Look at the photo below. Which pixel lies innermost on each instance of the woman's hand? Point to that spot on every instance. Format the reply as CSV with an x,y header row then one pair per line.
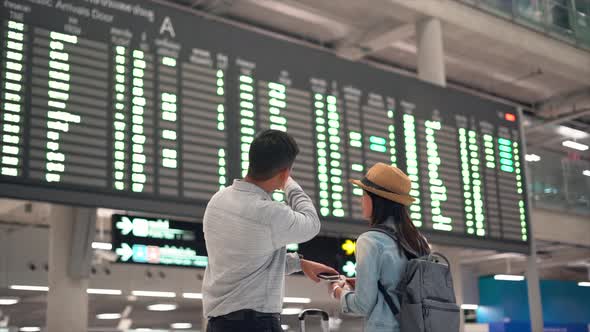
x,y
336,288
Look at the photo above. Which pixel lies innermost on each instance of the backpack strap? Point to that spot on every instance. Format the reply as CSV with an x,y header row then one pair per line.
x,y
388,299
408,252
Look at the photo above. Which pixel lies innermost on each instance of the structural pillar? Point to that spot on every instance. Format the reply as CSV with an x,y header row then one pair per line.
x,y
534,293
67,300
431,56
532,268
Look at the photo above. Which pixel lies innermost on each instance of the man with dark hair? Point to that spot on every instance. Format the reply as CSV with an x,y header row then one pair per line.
x,y
246,233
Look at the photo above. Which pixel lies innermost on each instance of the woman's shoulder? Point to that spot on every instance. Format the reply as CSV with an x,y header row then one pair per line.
x,y
377,237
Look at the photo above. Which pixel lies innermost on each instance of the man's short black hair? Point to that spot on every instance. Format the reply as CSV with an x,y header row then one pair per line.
x,y
271,152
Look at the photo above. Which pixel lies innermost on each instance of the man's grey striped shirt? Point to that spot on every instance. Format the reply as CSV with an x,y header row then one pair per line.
x,y
246,233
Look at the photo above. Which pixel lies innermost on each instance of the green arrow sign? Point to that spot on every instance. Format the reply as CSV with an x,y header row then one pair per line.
x,y
125,252
125,225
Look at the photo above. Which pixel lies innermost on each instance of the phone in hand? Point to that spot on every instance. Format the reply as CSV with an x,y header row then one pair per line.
x,y
329,277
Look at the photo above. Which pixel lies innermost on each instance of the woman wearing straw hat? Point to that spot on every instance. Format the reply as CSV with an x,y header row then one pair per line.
x,y
378,258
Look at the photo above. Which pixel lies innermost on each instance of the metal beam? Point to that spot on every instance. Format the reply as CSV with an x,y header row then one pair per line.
x,y
558,120
374,41
336,25
485,258
500,75
9,205
518,267
564,102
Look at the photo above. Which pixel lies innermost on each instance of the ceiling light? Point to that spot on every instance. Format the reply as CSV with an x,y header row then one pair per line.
x,y
102,245
104,291
297,300
584,284
152,294
162,307
575,145
196,296
571,132
532,158
8,300
586,172
181,325
291,311
508,277
285,327
30,329
108,316
30,288
469,306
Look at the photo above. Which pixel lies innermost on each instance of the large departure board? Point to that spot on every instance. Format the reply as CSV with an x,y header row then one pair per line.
x,y
142,106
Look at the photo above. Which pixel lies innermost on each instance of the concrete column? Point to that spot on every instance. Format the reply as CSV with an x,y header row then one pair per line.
x,y
532,269
431,56
534,293
4,250
204,322
67,301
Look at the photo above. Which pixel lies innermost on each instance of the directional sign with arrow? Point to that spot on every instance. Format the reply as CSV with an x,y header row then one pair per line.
x,y
349,269
349,247
125,252
158,241
125,225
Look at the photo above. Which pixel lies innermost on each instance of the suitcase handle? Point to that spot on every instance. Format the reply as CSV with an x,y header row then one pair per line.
x,y
314,312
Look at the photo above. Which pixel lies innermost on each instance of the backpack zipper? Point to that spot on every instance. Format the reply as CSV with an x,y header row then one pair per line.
x,y
426,309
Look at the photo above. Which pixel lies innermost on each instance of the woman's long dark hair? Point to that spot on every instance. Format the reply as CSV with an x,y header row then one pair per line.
x,y
408,234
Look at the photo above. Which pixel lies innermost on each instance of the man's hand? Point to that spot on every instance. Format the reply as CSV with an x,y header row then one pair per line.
x,y
312,269
284,186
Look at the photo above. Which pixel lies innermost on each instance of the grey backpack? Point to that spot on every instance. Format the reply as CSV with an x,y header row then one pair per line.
x,y
425,292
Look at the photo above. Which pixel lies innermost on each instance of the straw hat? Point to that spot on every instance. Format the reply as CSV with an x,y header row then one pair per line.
x,y
388,182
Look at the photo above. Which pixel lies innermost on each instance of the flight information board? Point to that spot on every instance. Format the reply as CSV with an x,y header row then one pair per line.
x,y
140,106
158,241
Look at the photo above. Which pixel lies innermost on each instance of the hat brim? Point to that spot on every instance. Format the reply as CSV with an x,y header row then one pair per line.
x,y
402,199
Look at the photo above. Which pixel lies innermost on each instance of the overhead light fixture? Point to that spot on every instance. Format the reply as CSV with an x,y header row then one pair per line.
x,y
575,145
30,288
102,245
586,172
100,291
108,316
584,284
571,132
196,296
469,306
291,311
181,326
162,307
30,329
9,300
152,294
296,300
532,158
508,277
